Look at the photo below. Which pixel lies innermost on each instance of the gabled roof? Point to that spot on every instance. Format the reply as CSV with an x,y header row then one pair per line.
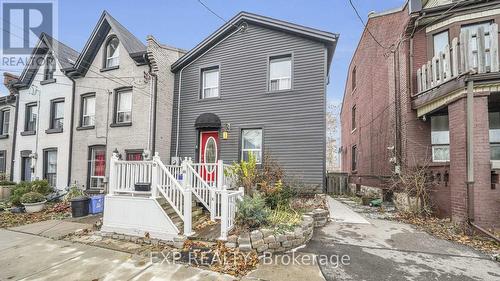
x,y
63,53
135,48
328,38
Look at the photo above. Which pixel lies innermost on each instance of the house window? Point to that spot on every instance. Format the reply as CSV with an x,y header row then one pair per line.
x,y
280,73
440,42
50,166
354,158
494,118
4,122
251,142
57,114
3,161
31,116
123,107
473,30
353,78
134,155
50,68
353,121
210,83
112,53
88,111
440,138
97,166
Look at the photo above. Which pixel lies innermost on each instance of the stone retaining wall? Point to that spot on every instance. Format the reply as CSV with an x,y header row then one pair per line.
x,y
320,217
265,240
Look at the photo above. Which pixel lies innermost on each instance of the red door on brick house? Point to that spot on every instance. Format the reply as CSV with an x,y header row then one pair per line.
x,y
209,143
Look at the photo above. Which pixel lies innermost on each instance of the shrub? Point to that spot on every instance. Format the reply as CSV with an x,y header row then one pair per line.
x,y
32,197
73,192
279,196
252,211
284,219
270,174
39,186
245,173
6,183
19,190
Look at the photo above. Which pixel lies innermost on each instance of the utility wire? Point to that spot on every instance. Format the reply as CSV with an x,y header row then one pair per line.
x,y
211,11
366,27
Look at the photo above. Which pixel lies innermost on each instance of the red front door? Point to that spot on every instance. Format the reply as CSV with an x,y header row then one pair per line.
x,y
209,146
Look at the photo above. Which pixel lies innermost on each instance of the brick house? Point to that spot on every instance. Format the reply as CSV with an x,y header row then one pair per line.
x,y
427,94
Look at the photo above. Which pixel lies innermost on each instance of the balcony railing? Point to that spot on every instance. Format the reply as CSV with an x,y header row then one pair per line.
x,y
469,53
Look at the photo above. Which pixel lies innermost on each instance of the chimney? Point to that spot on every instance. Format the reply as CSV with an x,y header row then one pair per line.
x,y
9,80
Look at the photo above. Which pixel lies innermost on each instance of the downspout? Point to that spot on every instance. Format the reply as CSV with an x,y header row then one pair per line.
x,y
13,156
470,147
70,156
241,27
155,104
152,108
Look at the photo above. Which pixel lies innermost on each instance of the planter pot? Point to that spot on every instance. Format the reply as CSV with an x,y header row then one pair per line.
x,y
34,207
5,191
80,206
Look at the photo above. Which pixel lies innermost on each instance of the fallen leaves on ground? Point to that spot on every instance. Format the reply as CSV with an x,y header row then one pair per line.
x,y
203,222
445,229
220,258
57,211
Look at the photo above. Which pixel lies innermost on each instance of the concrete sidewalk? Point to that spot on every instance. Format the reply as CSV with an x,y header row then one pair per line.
x,y
55,229
31,257
341,213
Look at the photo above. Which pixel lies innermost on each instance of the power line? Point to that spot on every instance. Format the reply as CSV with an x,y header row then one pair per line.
x,y
366,27
211,11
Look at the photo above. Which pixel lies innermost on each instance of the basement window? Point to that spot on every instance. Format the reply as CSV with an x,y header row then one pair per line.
x,y
440,138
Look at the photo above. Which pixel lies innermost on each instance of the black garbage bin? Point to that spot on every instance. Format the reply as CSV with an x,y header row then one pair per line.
x,y
79,206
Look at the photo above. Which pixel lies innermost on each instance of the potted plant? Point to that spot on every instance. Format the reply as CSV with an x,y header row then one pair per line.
x,y
5,187
79,202
33,202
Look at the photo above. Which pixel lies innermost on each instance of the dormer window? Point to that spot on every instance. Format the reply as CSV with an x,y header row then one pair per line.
x,y
50,68
112,53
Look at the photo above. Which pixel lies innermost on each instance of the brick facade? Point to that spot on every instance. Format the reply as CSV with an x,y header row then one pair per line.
x,y
388,132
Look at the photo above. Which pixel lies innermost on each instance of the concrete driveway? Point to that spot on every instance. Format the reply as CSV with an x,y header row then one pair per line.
x,y
30,257
386,250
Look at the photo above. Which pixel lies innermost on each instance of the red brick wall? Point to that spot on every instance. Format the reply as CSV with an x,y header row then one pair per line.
x,y
374,100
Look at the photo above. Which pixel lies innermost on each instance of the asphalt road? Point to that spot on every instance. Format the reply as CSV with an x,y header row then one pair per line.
x,y
386,250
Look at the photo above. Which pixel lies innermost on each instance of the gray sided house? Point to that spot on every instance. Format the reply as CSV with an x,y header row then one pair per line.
x,y
118,83
257,85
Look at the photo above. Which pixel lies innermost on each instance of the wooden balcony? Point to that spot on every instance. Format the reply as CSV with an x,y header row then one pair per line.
x,y
467,55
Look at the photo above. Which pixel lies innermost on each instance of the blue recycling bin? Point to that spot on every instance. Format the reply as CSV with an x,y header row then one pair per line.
x,y
96,204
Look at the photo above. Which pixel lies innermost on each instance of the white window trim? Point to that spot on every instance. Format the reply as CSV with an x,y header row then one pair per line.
x,y
116,55
279,79
203,88
252,149
118,102
92,168
85,110
440,146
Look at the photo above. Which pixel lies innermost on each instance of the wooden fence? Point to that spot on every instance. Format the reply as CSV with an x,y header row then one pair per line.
x,y
336,183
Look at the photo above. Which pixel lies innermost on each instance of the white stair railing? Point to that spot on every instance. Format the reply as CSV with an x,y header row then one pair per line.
x,y
175,191
229,199
200,187
124,175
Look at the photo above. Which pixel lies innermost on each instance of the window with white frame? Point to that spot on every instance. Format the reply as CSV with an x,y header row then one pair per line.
x,y
473,30
4,122
123,107
97,166
440,138
210,82
251,143
88,111
112,53
280,73
57,114
494,119
30,117
441,41
50,166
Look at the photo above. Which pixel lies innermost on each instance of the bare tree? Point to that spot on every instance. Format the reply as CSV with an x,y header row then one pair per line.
x,y
332,124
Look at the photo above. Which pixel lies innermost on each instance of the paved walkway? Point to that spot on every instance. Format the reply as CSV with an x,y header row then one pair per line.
x,y
31,257
388,250
342,213
55,229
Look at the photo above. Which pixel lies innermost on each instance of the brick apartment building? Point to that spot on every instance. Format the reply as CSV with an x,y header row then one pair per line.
x,y
426,92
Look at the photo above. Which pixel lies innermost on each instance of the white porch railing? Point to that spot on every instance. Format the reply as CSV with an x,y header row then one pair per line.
x,y
470,52
210,183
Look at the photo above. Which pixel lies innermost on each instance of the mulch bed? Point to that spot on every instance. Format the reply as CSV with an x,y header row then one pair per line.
x,y
52,211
